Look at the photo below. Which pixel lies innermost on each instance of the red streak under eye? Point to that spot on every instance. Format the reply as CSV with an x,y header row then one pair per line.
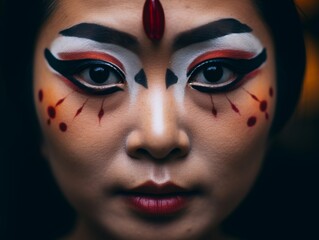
x,y
92,55
234,54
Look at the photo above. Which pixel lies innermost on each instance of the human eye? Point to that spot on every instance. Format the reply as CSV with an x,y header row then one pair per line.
x,y
93,76
222,74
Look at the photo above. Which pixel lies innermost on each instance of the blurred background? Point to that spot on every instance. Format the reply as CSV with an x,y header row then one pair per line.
x,y
302,134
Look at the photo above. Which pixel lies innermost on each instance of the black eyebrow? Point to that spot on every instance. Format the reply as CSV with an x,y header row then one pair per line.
x,y
102,34
210,31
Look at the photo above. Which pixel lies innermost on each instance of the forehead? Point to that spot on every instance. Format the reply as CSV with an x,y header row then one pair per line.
x,y
179,14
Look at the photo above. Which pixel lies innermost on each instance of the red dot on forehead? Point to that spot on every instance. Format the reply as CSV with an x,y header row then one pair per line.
x,y
153,19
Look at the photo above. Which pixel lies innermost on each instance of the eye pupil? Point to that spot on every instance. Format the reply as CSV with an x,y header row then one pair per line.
x,y
99,74
213,73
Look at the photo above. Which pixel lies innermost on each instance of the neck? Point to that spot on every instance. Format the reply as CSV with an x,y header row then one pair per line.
x,y
84,230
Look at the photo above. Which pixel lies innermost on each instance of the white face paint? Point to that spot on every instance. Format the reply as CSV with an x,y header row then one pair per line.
x,y
158,112
130,61
181,60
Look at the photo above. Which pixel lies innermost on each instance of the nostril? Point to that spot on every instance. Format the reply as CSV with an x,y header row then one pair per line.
x,y
166,147
163,156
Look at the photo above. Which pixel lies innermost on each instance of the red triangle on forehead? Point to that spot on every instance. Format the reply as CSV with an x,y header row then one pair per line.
x,y
153,19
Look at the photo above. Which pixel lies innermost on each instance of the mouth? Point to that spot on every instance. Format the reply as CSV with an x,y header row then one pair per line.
x,y
154,199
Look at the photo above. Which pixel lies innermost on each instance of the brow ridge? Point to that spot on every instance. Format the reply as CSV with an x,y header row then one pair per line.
x,y
102,34
210,31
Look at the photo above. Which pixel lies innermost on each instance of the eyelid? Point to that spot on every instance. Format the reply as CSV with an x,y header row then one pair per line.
x,y
241,66
67,68
92,55
228,53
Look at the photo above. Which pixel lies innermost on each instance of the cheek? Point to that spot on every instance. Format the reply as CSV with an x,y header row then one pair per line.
x,y
230,133
79,130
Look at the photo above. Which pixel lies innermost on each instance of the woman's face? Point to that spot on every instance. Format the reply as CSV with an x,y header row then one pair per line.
x,y
154,140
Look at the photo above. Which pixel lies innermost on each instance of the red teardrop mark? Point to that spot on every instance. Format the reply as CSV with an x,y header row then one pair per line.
x,y
252,95
60,101
153,19
40,95
51,112
101,112
63,127
81,108
263,106
233,106
214,110
267,116
49,121
251,121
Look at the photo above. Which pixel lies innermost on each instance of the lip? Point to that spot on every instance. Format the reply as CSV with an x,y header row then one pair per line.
x,y
155,199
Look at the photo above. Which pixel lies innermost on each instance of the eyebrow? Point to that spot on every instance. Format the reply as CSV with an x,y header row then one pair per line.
x,y
102,34
210,31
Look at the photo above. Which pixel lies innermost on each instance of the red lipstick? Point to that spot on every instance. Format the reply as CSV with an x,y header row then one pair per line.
x,y
158,199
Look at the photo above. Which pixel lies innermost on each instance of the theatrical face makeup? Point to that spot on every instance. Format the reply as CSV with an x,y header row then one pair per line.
x,y
154,139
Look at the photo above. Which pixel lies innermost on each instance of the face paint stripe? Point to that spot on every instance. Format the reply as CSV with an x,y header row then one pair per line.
x,y
209,31
101,112
214,110
233,106
80,109
141,79
40,95
65,67
232,54
91,55
241,67
102,34
171,78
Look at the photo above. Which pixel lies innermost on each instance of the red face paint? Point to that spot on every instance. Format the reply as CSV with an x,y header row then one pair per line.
x,y
153,19
233,106
263,106
92,55
251,121
63,127
40,95
101,112
214,110
81,108
60,102
51,112
233,54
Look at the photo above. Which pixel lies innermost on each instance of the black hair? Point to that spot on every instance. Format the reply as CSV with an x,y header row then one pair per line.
x,y
284,23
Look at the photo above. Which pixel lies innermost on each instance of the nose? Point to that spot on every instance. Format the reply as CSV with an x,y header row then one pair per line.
x,y
157,134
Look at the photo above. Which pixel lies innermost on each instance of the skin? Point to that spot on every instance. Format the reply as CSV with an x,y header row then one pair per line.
x,y
182,141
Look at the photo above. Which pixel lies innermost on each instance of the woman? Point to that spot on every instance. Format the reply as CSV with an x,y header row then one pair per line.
x,y
156,115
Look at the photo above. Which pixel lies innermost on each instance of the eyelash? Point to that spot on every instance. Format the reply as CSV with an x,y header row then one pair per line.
x,y
72,69
239,68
